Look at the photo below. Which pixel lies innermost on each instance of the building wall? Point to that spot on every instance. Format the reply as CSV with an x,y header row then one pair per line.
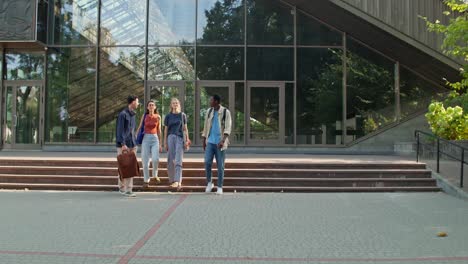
x,y
16,20
404,15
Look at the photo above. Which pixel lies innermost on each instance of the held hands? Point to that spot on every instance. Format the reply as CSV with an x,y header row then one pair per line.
x,y
124,148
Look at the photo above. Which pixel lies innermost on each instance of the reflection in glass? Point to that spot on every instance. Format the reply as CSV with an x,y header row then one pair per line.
x,y
273,64
238,133
416,93
27,115
123,22
370,91
319,96
289,114
24,65
75,22
269,22
312,32
171,63
216,63
205,93
41,25
163,94
264,113
220,22
171,22
122,74
70,99
189,108
9,115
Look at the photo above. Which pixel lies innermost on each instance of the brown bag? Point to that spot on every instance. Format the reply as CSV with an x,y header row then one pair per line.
x,y
128,164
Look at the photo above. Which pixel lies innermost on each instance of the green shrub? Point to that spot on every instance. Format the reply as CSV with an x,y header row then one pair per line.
x,y
450,123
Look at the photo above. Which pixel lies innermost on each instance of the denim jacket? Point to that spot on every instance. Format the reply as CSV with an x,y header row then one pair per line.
x,y
125,134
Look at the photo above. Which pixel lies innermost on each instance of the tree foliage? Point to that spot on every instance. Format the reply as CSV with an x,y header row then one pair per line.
x,y
452,122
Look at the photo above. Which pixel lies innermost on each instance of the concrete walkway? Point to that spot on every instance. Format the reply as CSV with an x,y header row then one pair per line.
x,y
351,228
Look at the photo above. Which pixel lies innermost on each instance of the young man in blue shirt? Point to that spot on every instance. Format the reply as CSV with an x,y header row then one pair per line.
x,y
216,140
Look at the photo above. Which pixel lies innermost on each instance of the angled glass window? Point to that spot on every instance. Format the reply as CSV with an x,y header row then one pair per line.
x,y
123,22
75,22
171,63
220,63
171,22
121,74
319,96
269,23
314,33
70,97
270,64
220,22
370,91
417,93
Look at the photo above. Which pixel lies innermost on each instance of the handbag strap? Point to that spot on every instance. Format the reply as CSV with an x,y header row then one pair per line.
x,y
143,123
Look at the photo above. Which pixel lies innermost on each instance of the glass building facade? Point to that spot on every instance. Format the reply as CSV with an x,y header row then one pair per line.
x,y
287,78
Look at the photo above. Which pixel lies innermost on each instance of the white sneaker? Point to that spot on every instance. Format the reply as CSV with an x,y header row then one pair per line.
x,y
209,187
130,194
219,191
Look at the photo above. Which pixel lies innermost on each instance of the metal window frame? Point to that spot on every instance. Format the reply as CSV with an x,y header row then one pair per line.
x,y
230,85
15,84
281,97
245,81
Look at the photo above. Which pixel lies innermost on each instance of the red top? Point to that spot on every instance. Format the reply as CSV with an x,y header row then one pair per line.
x,y
152,124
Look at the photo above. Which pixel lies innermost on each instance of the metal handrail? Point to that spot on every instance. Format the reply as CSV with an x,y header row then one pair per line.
x,y
463,150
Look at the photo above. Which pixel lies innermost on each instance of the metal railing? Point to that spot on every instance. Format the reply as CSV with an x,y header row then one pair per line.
x,y
440,151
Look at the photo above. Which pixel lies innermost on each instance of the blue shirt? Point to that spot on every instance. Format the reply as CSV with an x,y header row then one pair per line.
x,y
173,122
215,132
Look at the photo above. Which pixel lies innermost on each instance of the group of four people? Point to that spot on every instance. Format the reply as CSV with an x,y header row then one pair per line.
x,y
215,139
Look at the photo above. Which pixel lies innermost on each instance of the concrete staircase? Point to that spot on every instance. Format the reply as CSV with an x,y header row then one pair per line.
x,y
46,174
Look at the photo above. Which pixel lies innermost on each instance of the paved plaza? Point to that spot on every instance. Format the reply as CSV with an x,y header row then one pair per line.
x,y
104,227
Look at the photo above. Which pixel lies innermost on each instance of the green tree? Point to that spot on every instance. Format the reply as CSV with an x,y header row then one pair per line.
x,y
455,44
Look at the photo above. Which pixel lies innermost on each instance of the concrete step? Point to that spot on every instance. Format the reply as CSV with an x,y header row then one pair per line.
x,y
251,172
227,189
200,164
232,181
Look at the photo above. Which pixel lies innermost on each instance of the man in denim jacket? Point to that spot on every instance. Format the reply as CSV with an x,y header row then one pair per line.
x,y
125,139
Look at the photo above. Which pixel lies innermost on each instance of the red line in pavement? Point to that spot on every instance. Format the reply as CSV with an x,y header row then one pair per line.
x,y
63,254
416,259
132,251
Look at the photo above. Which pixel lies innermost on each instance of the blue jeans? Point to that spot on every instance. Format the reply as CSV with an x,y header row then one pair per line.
x,y
175,156
211,151
150,148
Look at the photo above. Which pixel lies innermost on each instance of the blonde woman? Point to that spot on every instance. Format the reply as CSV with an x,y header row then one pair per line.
x,y
175,129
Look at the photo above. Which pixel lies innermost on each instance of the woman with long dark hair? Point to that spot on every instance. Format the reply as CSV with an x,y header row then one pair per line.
x,y
150,147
